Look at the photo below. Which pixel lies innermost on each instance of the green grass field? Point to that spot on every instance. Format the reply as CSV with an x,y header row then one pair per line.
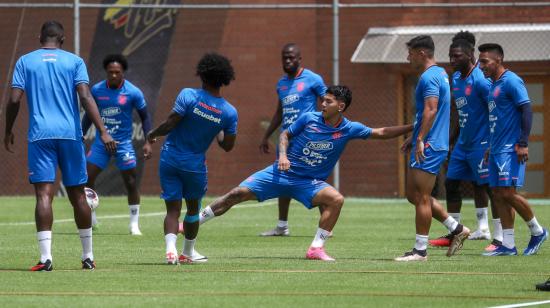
x,y
247,270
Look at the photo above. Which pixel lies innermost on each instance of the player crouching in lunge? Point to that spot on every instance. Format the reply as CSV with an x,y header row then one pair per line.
x,y
308,151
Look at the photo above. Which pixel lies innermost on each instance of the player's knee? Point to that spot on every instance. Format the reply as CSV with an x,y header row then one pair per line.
x,y
452,188
337,201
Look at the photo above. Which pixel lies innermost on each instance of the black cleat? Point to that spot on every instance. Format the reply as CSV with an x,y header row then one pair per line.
x,y
88,264
544,286
46,266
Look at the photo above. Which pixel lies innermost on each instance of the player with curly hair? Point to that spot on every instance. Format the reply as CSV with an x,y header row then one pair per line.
x,y
198,116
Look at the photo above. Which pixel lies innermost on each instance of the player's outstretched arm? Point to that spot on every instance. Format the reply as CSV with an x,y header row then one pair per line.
x,y
225,141
90,106
12,109
390,132
284,163
165,127
275,122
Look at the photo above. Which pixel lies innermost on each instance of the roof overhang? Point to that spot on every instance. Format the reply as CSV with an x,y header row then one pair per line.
x,y
521,42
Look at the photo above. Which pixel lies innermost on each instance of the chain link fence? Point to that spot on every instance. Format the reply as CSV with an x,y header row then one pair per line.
x,y
164,43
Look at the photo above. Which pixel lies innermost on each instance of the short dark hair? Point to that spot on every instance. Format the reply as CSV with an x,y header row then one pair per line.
x,y
492,47
215,70
465,35
422,42
118,58
464,45
341,93
51,30
293,46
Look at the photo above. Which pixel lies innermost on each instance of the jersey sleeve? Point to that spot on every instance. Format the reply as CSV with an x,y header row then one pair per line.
x,y
139,100
360,131
518,92
319,86
298,126
18,80
431,87
231,128
484,86
81,74
184,99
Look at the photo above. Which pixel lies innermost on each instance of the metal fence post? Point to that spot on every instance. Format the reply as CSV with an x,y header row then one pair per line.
x,y
335,70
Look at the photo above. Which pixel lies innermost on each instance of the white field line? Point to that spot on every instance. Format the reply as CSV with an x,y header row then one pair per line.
x,y
523,304
71,220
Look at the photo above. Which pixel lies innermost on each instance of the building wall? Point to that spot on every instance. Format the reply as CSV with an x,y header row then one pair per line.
x,y
252,39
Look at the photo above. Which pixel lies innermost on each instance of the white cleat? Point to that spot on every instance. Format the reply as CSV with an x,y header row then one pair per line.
x,y
198,258
134,230
411,256
278,231
480,235
171,258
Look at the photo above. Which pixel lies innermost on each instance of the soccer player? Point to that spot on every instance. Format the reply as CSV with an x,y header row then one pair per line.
x,y
510,119
308,151
198,116
52,78
470,89
298,92
116,98
430,144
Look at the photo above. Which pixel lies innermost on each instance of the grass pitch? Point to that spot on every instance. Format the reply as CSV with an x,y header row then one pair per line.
x,y
247,270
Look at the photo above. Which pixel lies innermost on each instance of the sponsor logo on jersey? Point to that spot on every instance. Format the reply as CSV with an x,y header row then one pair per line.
x,y
319,145
111,111
206,116
290,99
492,106
208,107
461,102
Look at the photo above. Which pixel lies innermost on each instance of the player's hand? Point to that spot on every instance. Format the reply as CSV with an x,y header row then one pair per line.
x,y
147,150
264,147
284,163
150,138
406,146
419,151
523,154
9,141
109,142
486,155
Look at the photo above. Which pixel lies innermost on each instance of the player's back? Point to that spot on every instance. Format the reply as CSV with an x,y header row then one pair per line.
x,y
204,116
434,82
49,78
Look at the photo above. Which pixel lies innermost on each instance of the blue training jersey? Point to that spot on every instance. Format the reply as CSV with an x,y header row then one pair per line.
x,y
298,95
505,97
434,82
315,147
470,95
49,78
116,106
204,116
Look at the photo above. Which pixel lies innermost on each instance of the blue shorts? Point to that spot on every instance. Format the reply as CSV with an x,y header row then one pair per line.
x,y
271,183
125,156
432,162
45,155
505,170
468,166
178,184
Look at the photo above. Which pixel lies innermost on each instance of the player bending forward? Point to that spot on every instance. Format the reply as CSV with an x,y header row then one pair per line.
x,y
308,151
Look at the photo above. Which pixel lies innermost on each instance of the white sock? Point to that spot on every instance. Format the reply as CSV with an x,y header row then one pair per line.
x,y
320,238
456,216
508,240
421,242
535,227
497,229
86,240
482,218
206,215
94,218
282,224
45,245
134,214
450,223
188,247
170,240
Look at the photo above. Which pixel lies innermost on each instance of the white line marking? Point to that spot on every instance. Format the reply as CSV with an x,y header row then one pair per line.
x,y
522,304
70,220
